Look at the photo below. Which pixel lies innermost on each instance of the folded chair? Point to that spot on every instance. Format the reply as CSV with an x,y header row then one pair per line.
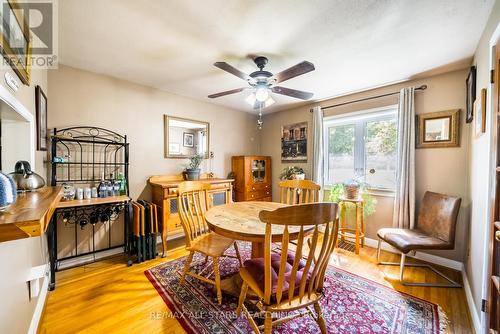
x,y
291,280
192,203
434,230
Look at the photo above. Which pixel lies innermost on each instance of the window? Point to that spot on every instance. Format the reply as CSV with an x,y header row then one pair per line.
x,y
363,147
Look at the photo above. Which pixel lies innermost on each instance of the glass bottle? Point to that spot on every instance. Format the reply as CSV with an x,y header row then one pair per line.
x,y
102,189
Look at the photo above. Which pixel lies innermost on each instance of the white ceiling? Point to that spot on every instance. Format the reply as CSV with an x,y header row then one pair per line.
x,y
354,44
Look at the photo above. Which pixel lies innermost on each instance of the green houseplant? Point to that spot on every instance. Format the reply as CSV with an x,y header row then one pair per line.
x,y
193,170
292,173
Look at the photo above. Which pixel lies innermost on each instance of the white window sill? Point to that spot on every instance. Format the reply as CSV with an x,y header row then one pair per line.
x,y
372,191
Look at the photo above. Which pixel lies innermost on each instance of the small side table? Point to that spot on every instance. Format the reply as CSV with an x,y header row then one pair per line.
x,y
356,235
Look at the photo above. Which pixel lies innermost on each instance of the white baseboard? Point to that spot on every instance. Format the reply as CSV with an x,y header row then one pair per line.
x,y
434,259
476,322
68,263
40,303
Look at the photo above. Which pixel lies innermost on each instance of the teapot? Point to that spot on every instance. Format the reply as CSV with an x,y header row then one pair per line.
x,y
25,178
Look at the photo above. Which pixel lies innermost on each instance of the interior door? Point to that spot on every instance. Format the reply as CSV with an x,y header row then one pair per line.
x,y
494,303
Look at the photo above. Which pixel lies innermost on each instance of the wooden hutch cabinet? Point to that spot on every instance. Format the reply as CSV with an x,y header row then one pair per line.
x,y
252,178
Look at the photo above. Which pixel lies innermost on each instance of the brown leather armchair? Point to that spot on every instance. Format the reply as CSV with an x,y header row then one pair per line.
x,y
434,229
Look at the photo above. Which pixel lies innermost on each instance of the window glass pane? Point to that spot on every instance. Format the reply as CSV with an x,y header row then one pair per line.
x,y
340,153
380,153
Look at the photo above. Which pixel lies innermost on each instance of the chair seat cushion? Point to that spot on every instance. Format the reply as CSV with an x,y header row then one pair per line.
x,y
255,267
407,240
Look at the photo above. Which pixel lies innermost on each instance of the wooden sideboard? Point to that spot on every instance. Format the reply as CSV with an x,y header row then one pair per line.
x,y
164,189
252,178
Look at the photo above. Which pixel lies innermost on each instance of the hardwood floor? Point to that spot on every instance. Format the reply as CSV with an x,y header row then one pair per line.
x,y
109,297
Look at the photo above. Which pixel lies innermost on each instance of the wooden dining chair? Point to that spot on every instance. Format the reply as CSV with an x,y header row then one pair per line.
x,y
192,203
291,280
298,192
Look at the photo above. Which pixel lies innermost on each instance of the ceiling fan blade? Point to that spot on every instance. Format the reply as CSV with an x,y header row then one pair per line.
x,y
233,70
227,92
294,71
292,92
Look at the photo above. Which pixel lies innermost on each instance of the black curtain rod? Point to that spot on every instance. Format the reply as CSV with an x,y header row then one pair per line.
x,y
423,87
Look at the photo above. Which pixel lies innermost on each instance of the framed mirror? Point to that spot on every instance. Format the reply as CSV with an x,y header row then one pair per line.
x,y
185,137
438,129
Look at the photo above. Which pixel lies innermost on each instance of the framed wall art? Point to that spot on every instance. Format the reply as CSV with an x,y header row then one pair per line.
x,y
294,142
471,94
480,112
41,119
188,139
15,41
438,129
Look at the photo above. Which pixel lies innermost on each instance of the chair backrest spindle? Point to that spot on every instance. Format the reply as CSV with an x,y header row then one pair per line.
x,y
192,203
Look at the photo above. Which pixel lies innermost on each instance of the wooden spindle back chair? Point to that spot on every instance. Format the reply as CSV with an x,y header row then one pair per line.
x,y
294,192
192,203
291,280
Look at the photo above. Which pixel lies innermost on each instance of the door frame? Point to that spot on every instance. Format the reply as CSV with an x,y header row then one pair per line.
x,y
491,127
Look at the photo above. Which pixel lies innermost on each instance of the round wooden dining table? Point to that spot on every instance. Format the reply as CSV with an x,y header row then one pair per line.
x,y
240,221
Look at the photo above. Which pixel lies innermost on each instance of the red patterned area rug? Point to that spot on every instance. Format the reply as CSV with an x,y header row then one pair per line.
x,y
352,304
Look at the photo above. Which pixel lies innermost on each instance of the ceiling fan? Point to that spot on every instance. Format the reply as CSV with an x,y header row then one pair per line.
x,y
263,82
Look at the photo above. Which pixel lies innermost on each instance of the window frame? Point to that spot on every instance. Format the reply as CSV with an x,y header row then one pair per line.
x,y
359,120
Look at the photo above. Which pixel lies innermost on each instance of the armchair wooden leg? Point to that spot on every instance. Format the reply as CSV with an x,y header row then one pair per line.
x,y
243,295
187,265
238,253
320,320
268,323
217,279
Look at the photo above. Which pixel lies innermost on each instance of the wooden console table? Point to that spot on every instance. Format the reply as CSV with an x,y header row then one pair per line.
x,y
164,189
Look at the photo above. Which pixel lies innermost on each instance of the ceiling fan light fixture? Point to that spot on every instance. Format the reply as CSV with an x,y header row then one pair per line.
x,y
250,99
261,93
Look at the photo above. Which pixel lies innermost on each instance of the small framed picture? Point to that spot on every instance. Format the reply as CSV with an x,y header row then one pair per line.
x,y
41,119
188,139
174,148
471,94
480,111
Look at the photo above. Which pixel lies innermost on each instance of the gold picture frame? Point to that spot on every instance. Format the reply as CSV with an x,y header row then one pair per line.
x,y
175,130
16,31
438,129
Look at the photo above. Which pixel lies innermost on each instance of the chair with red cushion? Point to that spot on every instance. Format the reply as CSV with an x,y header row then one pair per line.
x,y
290,280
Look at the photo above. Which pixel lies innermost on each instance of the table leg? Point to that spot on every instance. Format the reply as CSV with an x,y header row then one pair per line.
x,y
52,244
257,249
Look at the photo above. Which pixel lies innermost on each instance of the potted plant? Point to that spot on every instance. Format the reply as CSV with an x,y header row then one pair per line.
x,y
292,173
193,170
337,192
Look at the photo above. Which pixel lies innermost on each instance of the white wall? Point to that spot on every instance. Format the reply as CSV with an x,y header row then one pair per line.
x,y
479,170
19,256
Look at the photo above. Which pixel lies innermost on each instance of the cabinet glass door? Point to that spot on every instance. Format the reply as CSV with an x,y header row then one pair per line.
x,y
259,170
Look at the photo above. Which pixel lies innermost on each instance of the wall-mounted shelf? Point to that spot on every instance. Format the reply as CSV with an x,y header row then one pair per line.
x,y
30,215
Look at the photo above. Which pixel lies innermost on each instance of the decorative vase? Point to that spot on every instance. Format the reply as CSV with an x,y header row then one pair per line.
x,y
301,176
8,191
192,174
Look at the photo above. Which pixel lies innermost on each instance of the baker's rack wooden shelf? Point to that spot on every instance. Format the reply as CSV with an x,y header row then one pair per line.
x,y
81,156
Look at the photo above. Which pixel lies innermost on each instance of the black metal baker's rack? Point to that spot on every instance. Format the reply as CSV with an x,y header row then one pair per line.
x,y
80,156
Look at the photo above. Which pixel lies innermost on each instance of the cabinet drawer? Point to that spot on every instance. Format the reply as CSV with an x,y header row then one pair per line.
x,y
219,186
256,195
259,186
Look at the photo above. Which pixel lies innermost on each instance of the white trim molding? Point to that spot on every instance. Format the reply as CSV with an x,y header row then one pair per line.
x,y
476,319
434,259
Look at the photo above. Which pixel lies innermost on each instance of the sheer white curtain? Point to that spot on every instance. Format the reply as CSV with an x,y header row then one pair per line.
x,y
404,202
317,163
